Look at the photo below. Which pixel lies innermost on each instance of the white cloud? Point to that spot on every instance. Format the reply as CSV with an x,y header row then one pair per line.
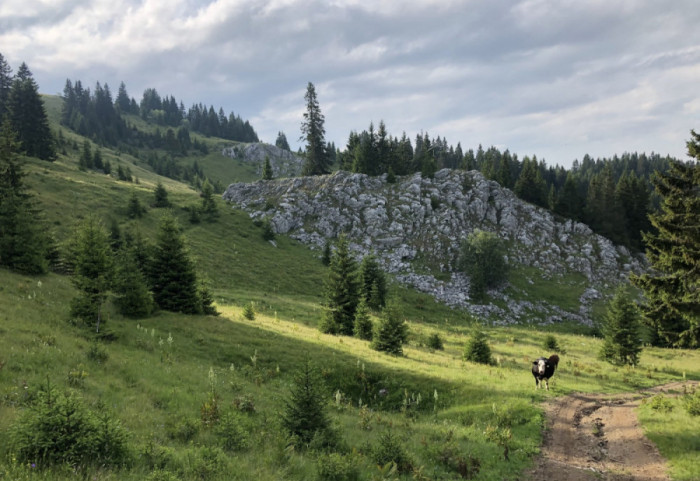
x,y
556,78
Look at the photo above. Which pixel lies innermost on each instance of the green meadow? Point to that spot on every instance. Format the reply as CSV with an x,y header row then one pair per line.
x,y
445,417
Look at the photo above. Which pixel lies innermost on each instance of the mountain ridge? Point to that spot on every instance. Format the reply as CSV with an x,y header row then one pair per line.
x,y
415,227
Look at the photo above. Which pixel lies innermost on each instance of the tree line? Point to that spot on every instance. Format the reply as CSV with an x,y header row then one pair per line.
x,y
96,115
22,106
612,195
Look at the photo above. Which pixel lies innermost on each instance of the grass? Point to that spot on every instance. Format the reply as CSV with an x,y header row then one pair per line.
x,y
157,387
675,433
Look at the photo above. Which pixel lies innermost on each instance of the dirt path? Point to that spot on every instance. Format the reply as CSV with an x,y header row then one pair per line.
x,y
598,437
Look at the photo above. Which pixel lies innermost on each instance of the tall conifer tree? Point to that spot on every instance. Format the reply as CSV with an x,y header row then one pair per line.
x,y
92,271
342,292
28,116
313,132
23,243
672,290
172,273
5,85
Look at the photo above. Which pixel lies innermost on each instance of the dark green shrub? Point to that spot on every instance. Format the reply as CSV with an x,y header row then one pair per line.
x,y
184,430
391,333
336,467
363,324
621,329
249,312
477,348
391,450
435,342
550,343
59,429
482,258
97,353
268,233
231,432
305,416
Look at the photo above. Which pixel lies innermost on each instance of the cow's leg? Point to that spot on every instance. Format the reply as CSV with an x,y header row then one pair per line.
x,y
546,383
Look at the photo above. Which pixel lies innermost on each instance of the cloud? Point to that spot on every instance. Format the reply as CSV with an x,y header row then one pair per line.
x,y
556,78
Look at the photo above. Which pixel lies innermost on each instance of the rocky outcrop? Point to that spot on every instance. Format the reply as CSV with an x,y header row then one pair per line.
x,y
283,162
417,224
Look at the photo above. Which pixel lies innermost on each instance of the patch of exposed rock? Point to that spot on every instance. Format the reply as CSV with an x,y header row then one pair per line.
x,y
419,222
283,162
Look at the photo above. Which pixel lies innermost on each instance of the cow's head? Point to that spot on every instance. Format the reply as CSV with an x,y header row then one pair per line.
x,y
541,365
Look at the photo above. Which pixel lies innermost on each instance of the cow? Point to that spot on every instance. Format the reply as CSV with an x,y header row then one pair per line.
x,y
543,369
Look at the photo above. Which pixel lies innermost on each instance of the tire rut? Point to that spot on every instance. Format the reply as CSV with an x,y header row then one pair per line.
x,y
598,437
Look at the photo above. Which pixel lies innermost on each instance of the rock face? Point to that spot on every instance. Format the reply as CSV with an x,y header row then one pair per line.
x,y
416,226
283,162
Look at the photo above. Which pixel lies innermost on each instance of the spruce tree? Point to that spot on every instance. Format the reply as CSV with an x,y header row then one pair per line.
x,y
206,300
5,85
672,289
373,282
132,297
477,348
342,291
326,255
364,328
172,274
23,241
208,202
305,418
28,116
160,196
134,209
92,271
267,169
391,333
281,141
313,132
622,343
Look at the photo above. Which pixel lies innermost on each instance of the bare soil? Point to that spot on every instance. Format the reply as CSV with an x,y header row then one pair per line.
x,y
598,437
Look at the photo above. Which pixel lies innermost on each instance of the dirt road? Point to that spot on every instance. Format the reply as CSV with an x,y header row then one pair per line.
x,y
598,437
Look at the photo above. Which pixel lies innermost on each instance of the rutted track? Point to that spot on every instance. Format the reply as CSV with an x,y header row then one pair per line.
x,y
598,437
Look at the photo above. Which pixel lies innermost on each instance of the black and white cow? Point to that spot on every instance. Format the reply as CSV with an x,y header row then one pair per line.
x,y
543,369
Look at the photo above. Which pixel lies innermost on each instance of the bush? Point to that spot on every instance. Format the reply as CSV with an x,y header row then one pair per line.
x,y
97,353
435,342
691,403
482,258
391,333
661,403
268,233
550,343
305,418
183,430
336,467
363,324
59,429
249,312
231,433
477,349
391,450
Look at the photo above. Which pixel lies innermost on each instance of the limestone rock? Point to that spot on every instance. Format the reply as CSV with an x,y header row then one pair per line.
x,y
431,217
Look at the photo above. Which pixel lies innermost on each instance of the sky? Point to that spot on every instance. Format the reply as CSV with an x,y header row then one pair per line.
x,y
553,78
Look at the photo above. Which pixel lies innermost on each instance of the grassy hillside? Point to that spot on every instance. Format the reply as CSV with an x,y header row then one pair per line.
x,y
451,419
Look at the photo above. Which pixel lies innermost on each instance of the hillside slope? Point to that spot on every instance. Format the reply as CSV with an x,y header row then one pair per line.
x,y
416,226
